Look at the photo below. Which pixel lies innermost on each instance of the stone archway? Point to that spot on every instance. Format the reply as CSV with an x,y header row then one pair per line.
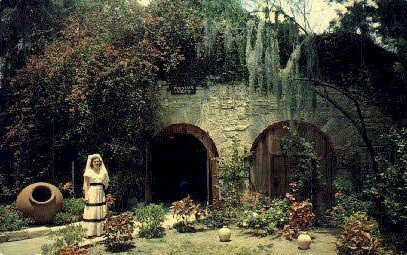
x,y
270,169
181,160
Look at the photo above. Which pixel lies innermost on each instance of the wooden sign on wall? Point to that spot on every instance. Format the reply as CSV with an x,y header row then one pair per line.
x,y
183,90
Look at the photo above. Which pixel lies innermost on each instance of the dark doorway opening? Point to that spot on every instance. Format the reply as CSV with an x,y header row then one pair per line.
x,y
179,169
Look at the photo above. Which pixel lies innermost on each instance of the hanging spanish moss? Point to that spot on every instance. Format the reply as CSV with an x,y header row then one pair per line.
x,y
224,38
209,47
250,57
263,64
311,72
273,65
229,44
291,86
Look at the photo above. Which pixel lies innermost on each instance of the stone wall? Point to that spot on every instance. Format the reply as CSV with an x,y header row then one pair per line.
x,y
233,112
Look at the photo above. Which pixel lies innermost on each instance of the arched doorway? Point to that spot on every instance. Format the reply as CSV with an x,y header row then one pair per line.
x,y
270,169
181,161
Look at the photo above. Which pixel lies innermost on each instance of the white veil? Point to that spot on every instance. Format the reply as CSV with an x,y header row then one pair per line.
x,y
89,170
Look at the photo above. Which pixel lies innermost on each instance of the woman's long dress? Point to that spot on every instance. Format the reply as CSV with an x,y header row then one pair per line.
x,y
95,209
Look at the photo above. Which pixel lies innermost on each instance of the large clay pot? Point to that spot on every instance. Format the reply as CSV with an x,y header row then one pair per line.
x,y
224,234
304,241
40,201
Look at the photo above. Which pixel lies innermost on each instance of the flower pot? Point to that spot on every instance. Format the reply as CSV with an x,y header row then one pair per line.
x,y
304,241
40,201
224,234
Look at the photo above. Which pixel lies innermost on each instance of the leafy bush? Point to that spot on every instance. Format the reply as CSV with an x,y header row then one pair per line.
x,y
184,209
217,215
346,205
296,147
65,240
72,210
344,185
62,218
11,219
67,190
262,216
279,212
232,175
151,218
260,223
254,201
73,206
300,218
389,186
119,232
183,227
359,236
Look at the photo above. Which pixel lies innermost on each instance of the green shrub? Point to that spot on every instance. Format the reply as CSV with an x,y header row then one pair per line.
x,y
346,205
344,185
62,218
72,211
73,206
254,201
233,177
260,223
279,212
11,219
119,232
264,216
151,218
359,236
70,236
217,215
183,227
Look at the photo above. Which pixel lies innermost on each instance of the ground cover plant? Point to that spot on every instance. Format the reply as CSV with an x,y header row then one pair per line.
x,y
66,241
12,219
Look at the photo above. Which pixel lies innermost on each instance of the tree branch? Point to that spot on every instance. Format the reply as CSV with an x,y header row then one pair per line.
x,y
359,123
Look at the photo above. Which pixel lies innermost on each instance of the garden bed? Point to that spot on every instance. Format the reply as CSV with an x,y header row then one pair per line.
x,y
242,242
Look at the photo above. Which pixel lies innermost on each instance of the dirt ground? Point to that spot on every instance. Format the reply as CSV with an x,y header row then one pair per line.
x,y
242,243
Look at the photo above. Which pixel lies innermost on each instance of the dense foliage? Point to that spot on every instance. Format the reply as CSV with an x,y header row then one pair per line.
x,y
233,176
185,209
388,188
348,202
72,210
91,89
305,171
119,232
360,236
11,219
150,217
261,215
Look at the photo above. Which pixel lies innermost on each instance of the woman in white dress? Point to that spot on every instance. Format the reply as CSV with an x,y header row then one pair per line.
x,y
95,181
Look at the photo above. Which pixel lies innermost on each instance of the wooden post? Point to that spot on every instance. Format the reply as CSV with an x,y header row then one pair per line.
x,y
147,180
73,173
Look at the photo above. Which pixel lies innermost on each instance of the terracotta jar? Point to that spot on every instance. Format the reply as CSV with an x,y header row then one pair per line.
x,y
304,241
40,201
224,234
